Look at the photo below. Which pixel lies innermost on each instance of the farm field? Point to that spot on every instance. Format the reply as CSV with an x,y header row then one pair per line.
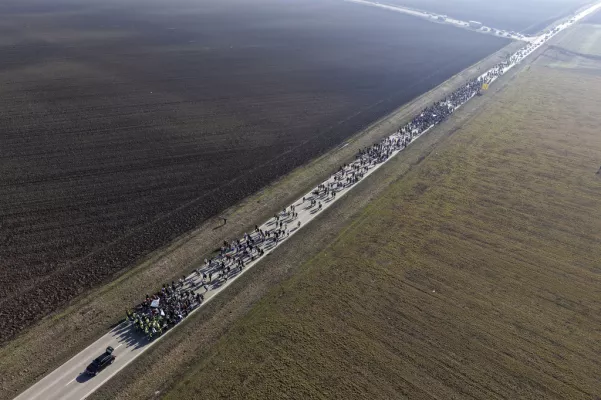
x,y
474,275
527,16
126,124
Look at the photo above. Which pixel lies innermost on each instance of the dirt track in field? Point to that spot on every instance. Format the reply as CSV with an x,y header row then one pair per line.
x,y
124,127
525,16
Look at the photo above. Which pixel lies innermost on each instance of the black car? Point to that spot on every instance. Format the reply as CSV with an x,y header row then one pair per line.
x,y
101,362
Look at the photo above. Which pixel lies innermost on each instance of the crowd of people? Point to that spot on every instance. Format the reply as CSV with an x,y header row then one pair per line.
x,y
164,309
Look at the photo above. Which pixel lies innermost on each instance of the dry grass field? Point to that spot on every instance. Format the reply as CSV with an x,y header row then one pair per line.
x,y
477,275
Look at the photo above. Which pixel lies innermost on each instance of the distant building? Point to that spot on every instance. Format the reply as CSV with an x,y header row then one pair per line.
x,y
475,24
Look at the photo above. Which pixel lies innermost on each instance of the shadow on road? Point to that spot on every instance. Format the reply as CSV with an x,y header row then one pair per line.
x,y
132,338
83,378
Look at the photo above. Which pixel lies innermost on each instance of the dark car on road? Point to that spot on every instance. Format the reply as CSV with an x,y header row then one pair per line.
x,y
101,362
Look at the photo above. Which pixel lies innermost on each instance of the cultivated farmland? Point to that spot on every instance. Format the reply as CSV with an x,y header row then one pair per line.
x,y
126,124
475,275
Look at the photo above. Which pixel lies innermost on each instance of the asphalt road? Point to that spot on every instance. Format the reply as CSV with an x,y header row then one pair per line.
x,y
68,382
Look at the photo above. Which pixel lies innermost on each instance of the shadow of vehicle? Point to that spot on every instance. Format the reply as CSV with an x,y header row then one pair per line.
x,y
83,378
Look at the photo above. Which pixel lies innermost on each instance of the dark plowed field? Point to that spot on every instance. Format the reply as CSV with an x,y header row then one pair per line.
x,y
123,126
